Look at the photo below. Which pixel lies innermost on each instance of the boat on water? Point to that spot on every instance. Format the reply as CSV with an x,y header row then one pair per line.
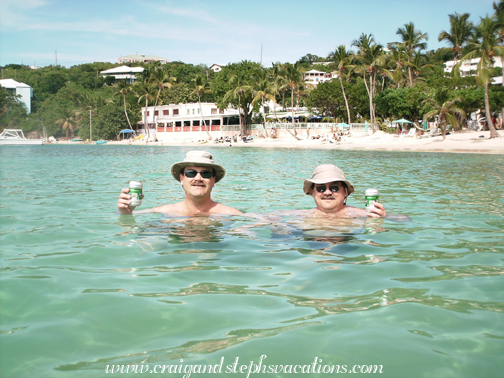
x,y
15,137
101,141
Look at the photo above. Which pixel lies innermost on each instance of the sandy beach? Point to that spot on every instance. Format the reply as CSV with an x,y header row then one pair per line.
x,y
457,142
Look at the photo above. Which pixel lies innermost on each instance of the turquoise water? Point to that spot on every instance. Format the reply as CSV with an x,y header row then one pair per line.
x,y
82,289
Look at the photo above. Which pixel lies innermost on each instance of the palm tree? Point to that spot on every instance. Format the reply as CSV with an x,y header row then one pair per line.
x,y
262,91
412,40
240,87
370,59
67,121
145,90
461,30
445,109
294,79
160,80
123,89
200,85
486,48
278,72
499,17
342,58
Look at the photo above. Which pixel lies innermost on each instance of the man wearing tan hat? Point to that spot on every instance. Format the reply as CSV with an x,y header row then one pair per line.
x,y
330,189
198,174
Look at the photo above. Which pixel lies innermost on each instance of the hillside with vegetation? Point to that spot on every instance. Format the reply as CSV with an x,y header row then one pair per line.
x,y
374,83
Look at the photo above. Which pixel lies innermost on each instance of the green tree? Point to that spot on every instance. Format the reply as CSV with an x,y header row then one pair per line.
x,y
109,121
445,109
231,87
401,102
369,61
461,30
499,17
342,58
294,80
200,86
123,89
67,121
485,48
413,41
263,90
148,92
159,79
12,111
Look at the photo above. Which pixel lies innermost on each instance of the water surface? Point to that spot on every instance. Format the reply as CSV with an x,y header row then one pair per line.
x,y
82,288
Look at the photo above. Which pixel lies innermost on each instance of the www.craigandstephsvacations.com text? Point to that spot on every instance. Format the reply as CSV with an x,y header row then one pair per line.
x,y
185,370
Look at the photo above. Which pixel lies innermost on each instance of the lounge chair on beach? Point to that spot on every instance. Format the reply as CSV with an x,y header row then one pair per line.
x,y
412,132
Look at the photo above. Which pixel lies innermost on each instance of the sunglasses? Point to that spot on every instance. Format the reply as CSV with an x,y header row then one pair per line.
x,y
191,173
332,188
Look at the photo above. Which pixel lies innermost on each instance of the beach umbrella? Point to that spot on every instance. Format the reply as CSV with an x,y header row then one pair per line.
x,y
402,120
126,131
425,125
366,127
342,124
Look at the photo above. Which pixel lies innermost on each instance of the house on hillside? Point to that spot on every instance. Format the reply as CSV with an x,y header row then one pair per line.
x,y
19,89
469,67
314,77
124,73
217,67
141,59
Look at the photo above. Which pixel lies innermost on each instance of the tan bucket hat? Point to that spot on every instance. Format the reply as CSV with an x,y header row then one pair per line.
x,y
326,173
198,159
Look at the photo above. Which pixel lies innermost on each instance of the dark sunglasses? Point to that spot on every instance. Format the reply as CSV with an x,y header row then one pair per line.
x,y
191,173
332,188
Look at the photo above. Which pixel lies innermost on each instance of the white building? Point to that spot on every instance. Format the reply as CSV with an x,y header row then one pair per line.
x,y
19,89
217,67
315,77
141,59
188,118
469,67
123,73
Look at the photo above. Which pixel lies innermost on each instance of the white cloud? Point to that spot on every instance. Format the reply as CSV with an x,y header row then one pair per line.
x,y
13,12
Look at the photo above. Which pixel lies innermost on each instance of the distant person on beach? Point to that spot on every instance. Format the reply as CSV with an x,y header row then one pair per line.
x,y
198,174
330,190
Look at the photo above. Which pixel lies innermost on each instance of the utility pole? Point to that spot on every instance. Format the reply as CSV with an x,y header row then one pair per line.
x,y
91,126
261,54
56,54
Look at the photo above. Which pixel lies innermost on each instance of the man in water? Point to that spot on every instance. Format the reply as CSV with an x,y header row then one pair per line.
x,y
198,174
330,189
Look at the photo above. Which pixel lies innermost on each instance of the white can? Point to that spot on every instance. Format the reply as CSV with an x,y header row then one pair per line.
x,y
371,196
136,194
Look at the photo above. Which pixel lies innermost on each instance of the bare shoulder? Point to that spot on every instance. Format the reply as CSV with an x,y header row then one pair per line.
x,y
219,208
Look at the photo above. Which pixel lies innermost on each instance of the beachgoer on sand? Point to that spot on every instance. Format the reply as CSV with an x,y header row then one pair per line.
x,y
330,190
198,174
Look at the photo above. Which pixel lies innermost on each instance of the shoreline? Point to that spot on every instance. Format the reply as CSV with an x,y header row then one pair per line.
x,y
477,142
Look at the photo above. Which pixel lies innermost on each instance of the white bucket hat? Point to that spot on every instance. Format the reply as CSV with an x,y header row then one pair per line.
x,y
198,159
324,174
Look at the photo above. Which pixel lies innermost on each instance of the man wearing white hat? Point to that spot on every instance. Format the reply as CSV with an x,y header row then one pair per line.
x,y
330,189
198,174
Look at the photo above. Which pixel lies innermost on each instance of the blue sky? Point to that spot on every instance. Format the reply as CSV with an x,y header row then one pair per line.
x,y
218,31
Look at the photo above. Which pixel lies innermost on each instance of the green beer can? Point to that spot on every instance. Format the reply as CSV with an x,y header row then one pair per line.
x,y
135,188
371,196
